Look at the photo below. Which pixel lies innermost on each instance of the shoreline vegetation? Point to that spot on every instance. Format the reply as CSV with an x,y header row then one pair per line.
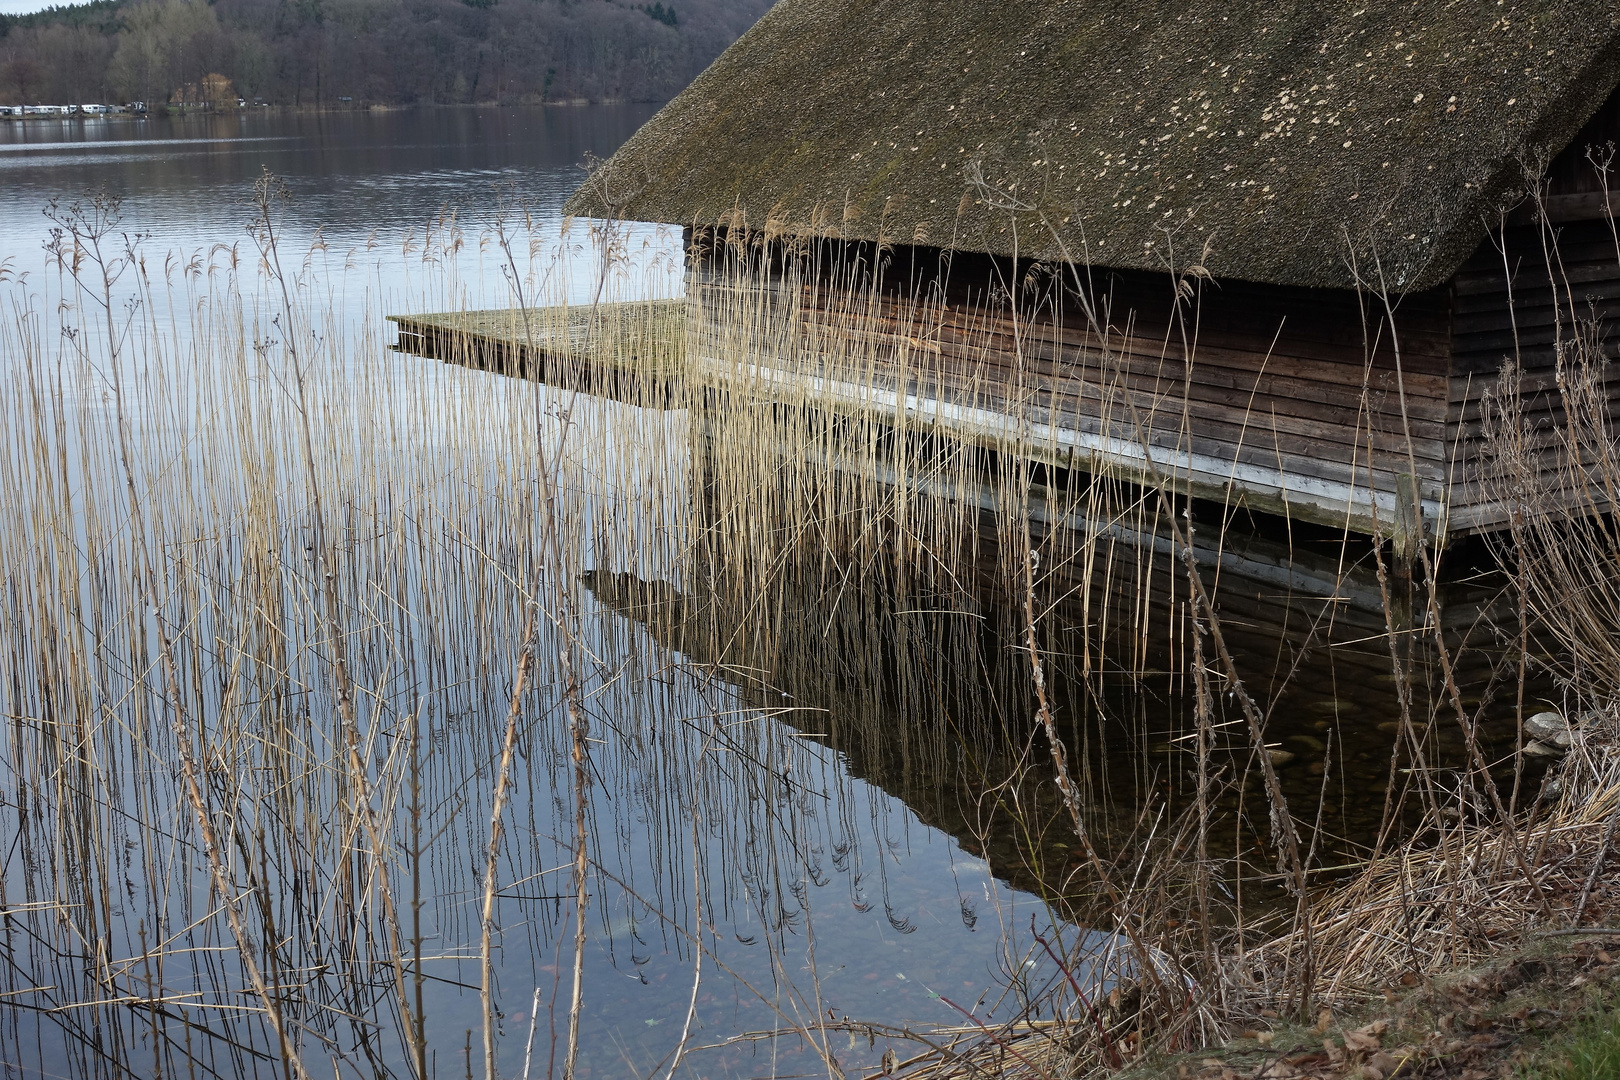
x,y
327,52
250,841
1504,855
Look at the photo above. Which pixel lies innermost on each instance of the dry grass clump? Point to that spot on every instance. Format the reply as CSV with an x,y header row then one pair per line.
x,y
1456,896
1474,880
1107,1025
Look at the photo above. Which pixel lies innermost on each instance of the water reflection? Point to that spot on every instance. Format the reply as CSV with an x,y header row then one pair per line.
x,y
925,689
715,826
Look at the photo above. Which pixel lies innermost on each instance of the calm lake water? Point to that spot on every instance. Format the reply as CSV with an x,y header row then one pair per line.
x,y
376,187
866,910
812,793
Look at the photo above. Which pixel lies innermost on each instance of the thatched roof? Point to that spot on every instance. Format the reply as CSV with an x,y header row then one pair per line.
x,y
1127,132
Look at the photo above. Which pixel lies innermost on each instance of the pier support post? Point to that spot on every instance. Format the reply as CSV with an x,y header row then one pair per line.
x,y
1408,522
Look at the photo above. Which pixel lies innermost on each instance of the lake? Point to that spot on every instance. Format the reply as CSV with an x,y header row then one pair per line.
x,y
803,760
386,182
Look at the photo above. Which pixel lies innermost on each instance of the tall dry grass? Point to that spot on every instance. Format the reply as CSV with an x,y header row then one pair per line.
x,y
287,627
1510,850
881,429
343,688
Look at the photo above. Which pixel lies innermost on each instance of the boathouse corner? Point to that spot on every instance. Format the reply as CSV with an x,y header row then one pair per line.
x,y
1306,239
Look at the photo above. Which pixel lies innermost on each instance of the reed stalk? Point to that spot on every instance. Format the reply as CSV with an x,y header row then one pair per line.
x,y
834,550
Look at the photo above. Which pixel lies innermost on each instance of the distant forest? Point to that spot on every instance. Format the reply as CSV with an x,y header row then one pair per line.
x,y
393,52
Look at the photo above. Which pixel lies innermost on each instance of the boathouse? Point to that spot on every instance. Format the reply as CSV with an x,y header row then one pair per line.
x,y
1285,249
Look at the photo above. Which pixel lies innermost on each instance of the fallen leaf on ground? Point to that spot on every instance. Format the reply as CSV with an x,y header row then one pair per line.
x,y
1386,1063
1365,1039
1491,1042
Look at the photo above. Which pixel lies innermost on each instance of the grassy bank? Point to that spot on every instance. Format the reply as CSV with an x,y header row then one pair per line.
x,y
1546,1009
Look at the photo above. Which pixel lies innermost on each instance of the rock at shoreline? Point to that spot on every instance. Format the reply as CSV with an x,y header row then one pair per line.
x,y
1550,729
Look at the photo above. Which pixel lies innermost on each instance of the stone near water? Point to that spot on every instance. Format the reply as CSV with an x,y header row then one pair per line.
x,y
1551,729
1538,749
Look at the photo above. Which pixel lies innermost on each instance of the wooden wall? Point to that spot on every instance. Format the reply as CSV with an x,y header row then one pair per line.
x,y
1292,398
1545,284
1575,189
1291,401
1509,306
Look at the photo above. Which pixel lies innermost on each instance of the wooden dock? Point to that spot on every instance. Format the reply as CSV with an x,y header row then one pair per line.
x,y
632,352
1315,420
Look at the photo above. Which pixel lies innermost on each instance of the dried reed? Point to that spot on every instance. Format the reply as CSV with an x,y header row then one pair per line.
x,y
395,601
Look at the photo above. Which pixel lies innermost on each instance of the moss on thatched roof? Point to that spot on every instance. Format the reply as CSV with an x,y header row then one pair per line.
x,y
1282,134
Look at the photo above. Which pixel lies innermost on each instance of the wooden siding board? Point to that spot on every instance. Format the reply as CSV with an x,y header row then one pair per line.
x,y
1524,315
1279,379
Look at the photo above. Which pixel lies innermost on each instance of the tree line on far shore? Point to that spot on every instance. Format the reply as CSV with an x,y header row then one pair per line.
x,y
393,52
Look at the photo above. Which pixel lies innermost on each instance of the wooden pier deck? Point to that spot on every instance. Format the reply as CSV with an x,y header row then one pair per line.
x,y
643,361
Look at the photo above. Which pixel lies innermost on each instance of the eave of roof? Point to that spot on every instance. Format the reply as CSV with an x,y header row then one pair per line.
x,y
1300,144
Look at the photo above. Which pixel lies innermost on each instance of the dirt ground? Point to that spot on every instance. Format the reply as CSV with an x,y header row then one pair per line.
x,y
1502,1020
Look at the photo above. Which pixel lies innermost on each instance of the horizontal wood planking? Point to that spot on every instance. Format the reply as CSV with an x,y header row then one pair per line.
x,y
1278,379
1526,315
1311,462
1251,366
1298,404
1229,391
